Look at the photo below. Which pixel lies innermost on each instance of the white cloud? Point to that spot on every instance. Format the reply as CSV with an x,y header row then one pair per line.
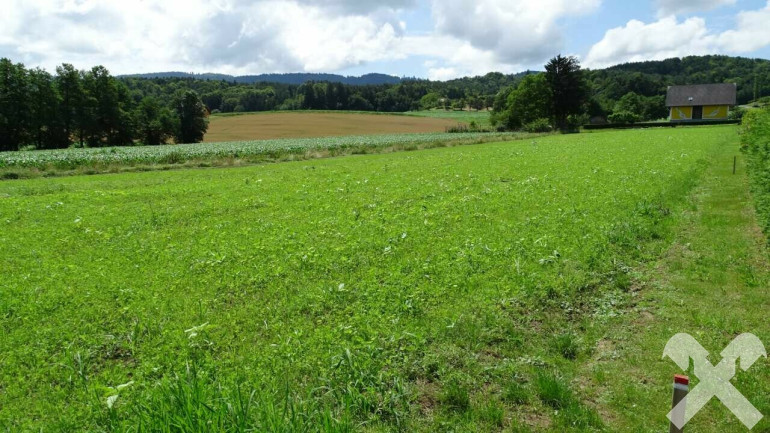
x,y
751,33
442,74
359,6
668,37
662,39
451,57
675,7
234,36
278,36
471,37
516,31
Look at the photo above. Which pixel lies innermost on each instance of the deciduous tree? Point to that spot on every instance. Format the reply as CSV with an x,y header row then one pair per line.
x,y
192,118
528,102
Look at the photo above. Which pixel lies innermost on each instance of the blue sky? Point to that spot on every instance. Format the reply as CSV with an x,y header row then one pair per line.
x,y
424,38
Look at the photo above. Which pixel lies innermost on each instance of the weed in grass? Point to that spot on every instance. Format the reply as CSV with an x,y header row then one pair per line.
x,y
491,413
553,390
516,393
520,427
567,344
579,417
455,396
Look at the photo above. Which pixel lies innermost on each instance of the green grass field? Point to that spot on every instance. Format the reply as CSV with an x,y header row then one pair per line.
x,y
465,117
516,286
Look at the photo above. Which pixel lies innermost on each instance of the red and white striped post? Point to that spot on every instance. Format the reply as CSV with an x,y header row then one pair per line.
x,y
681,387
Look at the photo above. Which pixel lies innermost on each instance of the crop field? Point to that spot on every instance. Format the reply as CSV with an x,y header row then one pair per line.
x,y
291,124
461,288
251,150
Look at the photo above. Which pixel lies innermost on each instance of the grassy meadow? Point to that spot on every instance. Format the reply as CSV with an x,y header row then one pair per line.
x,y
508,286
481,117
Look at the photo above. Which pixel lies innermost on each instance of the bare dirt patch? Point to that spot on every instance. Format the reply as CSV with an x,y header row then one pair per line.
x,y
261,126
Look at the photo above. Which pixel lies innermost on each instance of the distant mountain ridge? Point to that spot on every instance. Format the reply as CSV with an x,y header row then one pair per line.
x,y
288,78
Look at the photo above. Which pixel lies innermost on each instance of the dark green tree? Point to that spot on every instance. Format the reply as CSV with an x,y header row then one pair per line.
x,y
155,123
45,126
568,88
192,118
70,89
654,108
14,105
308,96
108,120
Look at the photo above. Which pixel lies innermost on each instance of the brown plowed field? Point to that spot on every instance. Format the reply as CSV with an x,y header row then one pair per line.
x,y
298,124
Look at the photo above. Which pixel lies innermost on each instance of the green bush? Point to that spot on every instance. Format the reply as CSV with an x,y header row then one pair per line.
x,y
538,125
623,117
736,113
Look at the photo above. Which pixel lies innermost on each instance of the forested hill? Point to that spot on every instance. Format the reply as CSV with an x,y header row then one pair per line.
x,y
290,78
651,78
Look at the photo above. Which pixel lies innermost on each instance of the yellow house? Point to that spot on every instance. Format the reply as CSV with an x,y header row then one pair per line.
x,y
700,102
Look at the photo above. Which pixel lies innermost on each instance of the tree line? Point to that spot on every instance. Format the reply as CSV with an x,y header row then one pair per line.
x,y
89,108
563,97
93,108
223,96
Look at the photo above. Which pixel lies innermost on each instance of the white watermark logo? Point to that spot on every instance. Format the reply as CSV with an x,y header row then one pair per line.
x,y
714,380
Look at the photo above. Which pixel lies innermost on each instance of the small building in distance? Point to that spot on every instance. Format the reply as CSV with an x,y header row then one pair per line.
x,y
700,102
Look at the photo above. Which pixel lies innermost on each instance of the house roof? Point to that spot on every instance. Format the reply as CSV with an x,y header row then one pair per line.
x,y
701,94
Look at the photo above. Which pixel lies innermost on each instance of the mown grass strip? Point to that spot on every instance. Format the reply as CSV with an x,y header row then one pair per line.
x,y
712,283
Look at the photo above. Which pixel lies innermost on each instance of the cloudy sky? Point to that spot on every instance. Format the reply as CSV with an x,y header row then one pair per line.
x,y
437,39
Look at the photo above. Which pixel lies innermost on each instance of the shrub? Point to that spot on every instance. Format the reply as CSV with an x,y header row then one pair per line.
x,y
623,117
736,113
538,125
460,128
575,121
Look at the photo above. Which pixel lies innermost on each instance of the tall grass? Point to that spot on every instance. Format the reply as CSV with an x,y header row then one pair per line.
x,y
755,142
